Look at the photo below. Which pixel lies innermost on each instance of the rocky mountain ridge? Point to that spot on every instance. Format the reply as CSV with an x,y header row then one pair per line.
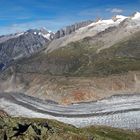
x,y
21,45
25,44
70,29
125,26
93,62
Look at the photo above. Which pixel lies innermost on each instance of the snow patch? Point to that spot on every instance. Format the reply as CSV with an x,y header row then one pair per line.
x,y
102,25
136,16
47,36
120,18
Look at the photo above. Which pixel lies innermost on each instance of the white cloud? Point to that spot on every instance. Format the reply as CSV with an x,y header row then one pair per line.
x,y
115,10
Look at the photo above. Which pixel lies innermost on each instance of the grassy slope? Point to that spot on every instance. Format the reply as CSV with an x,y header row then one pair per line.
x,y
61,131
121,57
80,59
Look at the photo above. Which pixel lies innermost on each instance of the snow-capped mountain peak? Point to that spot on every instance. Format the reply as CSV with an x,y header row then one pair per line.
x,y
98,27
22,44
136,16
102,25
108,22
42,32
120,18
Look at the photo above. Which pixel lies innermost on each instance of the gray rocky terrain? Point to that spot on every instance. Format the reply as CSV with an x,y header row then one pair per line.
x,y
21,45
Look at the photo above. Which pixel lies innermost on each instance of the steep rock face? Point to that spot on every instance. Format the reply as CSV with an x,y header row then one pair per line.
x,y
17,46
70,29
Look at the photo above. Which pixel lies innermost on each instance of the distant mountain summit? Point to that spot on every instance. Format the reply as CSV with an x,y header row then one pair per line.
x,y
24,44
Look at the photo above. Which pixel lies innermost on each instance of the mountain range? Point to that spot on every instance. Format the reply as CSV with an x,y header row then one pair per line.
x,y
84,74
25,44
74,63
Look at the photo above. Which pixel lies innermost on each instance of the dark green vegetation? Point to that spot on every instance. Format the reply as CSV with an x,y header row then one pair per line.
x,y
41,129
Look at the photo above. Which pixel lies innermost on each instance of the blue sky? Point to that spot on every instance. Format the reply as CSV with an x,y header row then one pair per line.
x,y
20,15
